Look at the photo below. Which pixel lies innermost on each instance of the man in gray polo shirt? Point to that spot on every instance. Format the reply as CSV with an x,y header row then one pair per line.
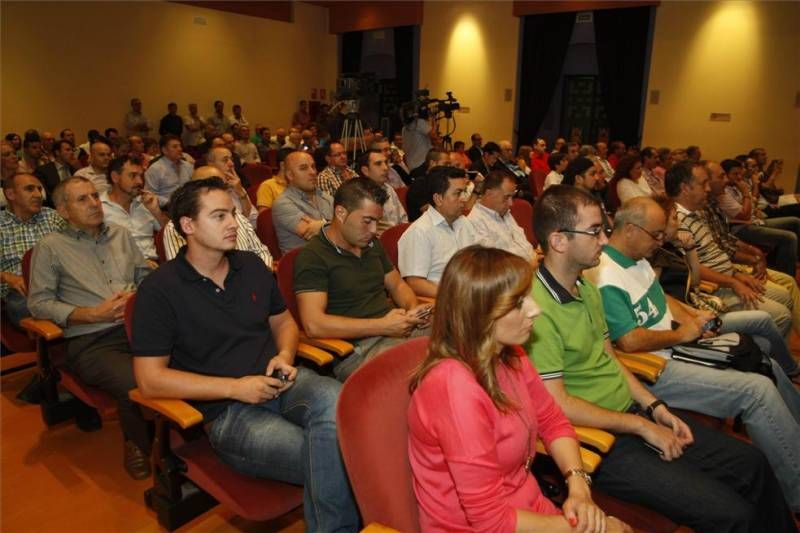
x,y
81,278
301,211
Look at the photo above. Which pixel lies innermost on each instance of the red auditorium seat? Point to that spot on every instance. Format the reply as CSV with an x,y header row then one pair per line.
x,y
389,239
522,211
266,233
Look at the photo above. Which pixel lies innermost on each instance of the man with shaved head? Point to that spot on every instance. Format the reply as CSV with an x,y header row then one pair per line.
x,y
246,238
97,171
301,211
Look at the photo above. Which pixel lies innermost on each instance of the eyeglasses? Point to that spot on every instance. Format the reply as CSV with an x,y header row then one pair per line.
x,y
657,236
590,232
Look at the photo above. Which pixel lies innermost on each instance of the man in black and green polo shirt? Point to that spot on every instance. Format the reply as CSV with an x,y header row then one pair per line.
x,y
682,470
342,276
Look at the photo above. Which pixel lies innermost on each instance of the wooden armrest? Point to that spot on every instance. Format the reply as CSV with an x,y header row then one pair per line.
x,y
378,528
645,365
178,411
313,354
596,438
590,459
42,328
708,286
335,346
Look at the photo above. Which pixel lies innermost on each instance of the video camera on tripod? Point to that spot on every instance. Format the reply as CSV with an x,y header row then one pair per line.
x,y
424,107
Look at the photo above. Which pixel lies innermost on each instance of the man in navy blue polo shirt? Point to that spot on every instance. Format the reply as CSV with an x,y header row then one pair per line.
x,y
211,327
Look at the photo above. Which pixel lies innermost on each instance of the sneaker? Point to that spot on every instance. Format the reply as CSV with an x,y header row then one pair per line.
x,y
136,463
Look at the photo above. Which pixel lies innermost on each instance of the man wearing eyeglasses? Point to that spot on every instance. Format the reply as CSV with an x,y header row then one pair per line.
x,y
640,316
677,467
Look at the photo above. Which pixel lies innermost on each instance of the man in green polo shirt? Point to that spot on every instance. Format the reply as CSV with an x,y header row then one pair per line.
x,y
342,276
680,469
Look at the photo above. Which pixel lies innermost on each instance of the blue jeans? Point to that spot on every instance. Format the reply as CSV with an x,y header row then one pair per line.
x,y
770,413
15,306
761,327
293,439
719,484
781,234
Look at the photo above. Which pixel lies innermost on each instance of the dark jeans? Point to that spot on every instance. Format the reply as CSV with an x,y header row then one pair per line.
x,y
719,484
103,360
781,234
15,306
293,439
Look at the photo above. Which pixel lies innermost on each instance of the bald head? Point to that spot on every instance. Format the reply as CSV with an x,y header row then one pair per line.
x,y
636,211
207,171
100,155
640,226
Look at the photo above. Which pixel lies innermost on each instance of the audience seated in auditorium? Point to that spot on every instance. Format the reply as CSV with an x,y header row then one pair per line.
x,y
557,163
301,119
336,172
279,139
342,278
429,243
127,204
112,138
640,317
301,211
136,148
169,171
492,221
60,168
418,197
81,278
218,120
559,142
245,148
218,353
460,154
571,150
732,196
22,224
678,269
601,149
172,122
694,154
136,123
48,139
688,479
617,149
193,128
463,436
687,184
524,158
294,140
649,159
373,165
246,237
97,170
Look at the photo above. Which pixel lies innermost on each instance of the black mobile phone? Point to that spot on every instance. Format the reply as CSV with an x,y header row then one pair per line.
x,y
654,448
713,325
277,374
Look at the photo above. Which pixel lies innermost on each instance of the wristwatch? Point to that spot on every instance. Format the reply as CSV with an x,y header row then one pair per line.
x,y
580,472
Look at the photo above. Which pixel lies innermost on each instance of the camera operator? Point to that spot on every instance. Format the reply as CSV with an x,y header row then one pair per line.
x,y
417,140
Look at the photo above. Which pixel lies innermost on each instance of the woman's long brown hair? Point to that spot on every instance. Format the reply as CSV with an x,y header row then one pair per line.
x,y
479,286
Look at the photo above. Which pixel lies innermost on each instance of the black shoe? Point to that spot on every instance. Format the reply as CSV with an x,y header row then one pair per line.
x,y
136,463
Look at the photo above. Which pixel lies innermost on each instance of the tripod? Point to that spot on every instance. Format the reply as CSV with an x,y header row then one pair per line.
x,y
353,131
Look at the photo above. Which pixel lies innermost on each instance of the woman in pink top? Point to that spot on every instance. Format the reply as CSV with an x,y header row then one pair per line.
x,y
478,407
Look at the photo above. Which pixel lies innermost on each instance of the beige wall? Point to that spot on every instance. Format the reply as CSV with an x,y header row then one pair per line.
x,y
727,57
470,48
77,64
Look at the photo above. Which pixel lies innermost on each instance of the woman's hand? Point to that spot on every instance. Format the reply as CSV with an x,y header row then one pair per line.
x,y
580,510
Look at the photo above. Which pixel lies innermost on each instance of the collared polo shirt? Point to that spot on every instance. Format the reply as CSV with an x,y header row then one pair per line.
x,y
206,329
163,177
632,295
18,236
139,221
290,207
71,269
503,232
429,243
354,285
568,342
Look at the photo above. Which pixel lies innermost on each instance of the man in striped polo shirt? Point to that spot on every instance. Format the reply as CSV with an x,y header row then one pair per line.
x,y
774,292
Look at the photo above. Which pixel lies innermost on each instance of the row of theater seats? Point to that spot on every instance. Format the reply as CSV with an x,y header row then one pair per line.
x,y
188,477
